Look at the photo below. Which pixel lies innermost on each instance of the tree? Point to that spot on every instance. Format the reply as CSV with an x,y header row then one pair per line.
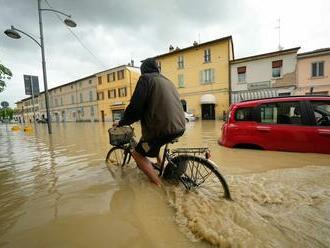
x,y
5,73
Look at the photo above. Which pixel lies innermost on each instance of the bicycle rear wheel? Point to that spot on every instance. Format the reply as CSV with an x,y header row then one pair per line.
x,y
117,156
198,173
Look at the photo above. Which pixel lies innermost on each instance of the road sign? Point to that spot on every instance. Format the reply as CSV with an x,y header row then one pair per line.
x,y
4,104
31,82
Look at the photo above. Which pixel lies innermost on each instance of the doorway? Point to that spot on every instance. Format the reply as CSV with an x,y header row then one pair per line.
x,y
102,115
184,105
117,115
208,111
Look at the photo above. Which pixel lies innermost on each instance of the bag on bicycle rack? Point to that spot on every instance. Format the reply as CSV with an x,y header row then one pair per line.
x,y
120,135
174,170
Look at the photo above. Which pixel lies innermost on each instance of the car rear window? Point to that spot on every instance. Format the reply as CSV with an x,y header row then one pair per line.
x,y
244,114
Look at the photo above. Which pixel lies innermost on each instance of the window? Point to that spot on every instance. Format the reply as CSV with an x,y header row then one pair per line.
x,y
180,81
90,81
81,97
100,80
180,62
281,113
321,113
284,94
100,96
120,74
72,99
111,77
80,84
61,101
207,76
241,72
90,96
122,92
71,86
244,114
276,68
207,55
56,102
318,69
82,111
92,111
159,64
60,89
111,93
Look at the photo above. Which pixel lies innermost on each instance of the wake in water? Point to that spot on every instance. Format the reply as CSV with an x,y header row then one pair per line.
x,y
279,208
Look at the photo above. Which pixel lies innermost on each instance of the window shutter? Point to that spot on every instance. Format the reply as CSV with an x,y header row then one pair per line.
x,y
212,76
241,69
314,66
201,73
321,69
277,64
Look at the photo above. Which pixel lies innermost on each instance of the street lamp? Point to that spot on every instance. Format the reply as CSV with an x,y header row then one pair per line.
x,y
14,33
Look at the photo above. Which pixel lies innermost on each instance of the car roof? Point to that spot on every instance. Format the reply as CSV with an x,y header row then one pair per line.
x,y
255,102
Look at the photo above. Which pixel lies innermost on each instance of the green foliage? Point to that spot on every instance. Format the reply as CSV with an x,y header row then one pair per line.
x,y
7,113
5,74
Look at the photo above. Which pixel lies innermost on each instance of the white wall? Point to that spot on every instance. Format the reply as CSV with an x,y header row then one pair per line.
x,y
261,70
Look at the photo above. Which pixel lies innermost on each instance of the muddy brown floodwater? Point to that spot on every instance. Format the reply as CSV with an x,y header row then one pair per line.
x,y
57,192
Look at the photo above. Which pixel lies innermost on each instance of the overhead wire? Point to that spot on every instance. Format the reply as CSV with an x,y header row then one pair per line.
x,y
78,39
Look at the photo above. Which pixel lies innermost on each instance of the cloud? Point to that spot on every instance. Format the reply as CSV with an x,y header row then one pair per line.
x,y
117,31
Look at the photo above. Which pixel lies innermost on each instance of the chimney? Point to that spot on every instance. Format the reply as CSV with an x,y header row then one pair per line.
x,y
132,62
171,48
195,43
177,48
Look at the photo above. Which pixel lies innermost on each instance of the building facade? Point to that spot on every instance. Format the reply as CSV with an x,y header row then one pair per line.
x,y
201,75
265,75
26,110
114,90
74,101
313,72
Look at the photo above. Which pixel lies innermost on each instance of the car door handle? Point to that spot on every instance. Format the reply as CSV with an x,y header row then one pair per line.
x,y
324,132
263,129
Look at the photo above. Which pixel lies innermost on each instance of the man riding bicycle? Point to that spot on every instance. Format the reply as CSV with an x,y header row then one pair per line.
x,y
156,104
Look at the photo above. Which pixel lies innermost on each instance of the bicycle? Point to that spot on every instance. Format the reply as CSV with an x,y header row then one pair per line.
x,y
182,165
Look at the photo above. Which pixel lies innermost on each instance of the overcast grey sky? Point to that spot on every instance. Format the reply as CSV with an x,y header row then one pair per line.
x,y
118,30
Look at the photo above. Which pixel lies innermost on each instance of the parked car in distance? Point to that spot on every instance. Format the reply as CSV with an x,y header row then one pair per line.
x,y
296,123
189,116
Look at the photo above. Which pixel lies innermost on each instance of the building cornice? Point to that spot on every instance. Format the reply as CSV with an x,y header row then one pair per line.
x,y
176,51
265,55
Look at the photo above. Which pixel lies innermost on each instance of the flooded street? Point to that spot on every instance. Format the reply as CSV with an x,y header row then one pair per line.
x,y
58,192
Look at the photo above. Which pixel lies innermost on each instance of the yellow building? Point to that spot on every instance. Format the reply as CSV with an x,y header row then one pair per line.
x,y
201,74
114,90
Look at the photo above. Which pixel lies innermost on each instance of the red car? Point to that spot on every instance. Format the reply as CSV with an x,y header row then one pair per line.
x,y
296,124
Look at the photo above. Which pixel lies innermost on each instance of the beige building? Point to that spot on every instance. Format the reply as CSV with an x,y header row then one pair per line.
x,y
74,101
114,90
313,72
25,110
201,74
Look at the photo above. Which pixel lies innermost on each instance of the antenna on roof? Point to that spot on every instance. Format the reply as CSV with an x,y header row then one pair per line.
x,y
279,34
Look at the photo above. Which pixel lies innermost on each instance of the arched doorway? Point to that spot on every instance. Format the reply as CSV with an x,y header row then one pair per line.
x,y
184,105
208,106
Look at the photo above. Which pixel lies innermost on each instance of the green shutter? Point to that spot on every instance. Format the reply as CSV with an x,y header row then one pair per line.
x,y
201,73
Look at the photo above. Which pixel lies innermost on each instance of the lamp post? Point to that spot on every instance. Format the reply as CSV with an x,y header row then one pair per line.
x,y
13,33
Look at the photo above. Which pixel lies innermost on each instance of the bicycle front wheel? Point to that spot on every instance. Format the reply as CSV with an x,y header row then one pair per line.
x,y
117,156
200,173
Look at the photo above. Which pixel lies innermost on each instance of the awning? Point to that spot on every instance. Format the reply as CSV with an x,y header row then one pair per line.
x,y
208,99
